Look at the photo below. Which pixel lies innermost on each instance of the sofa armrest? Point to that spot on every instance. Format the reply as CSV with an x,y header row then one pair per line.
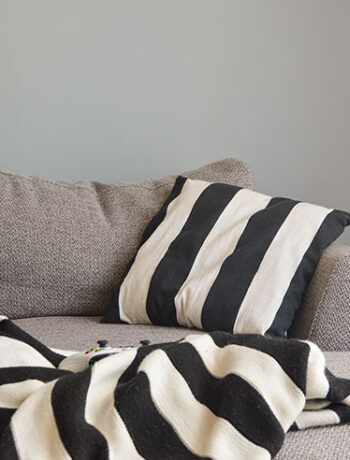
x,y
324,316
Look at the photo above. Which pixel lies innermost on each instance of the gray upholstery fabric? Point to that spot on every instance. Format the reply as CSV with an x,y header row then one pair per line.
x,y
63,246
328,443
82,332
324,316
79,333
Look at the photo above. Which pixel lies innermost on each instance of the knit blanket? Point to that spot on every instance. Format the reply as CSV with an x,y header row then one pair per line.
x,y
212,396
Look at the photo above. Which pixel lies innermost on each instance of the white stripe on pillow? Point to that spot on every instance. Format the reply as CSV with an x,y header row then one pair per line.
x,y
278,267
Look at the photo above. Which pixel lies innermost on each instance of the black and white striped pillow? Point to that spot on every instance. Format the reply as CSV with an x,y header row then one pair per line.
x,y
220,257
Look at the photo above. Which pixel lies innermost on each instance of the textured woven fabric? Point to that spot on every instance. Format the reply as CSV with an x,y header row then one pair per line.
x,y
330,443
324,315
82,332
63,246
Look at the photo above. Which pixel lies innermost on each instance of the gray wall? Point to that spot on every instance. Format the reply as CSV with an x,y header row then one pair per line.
x,y
108,90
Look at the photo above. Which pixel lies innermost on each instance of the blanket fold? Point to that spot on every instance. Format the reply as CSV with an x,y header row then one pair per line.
x,y
212,396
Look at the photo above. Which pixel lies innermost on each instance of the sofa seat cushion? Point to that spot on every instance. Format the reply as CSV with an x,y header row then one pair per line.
x,y
327,443
82,332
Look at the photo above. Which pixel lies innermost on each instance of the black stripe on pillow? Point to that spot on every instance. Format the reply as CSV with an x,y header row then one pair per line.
x,y
331,228
160,216
112,314
238,270
176,264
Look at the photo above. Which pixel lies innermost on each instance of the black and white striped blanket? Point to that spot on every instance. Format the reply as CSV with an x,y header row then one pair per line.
x,y
217,396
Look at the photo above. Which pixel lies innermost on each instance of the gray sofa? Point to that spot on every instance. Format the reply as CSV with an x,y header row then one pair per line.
x,y
65,245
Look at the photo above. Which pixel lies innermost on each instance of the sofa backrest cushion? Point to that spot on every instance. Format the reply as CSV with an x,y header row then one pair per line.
x,y
64,246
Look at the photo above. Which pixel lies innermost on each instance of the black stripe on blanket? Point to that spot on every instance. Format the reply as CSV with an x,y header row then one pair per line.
x,y
339,388
342,412
229,398
7,445
5,418
10,329
142,352
22,373
68,400
145,424
282,350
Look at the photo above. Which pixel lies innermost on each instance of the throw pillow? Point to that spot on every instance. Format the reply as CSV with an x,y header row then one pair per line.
x,y
221,257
